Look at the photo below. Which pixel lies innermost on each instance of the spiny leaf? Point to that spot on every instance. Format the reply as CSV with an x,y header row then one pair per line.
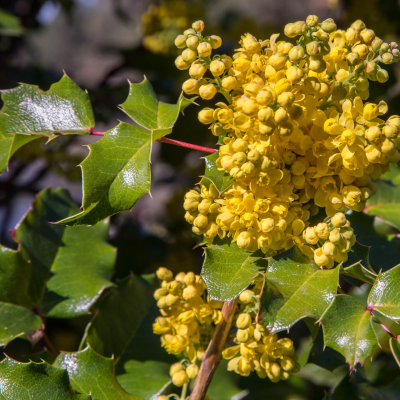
x,y
228,270
61,272
295,288
144,108
9,144
93,374
347,329
357,266
116,173
385,293
32,381
220,179
122,327
65,108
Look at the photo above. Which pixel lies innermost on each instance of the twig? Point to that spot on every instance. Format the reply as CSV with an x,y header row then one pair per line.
x,y
49,345
213,355
170,141
340,290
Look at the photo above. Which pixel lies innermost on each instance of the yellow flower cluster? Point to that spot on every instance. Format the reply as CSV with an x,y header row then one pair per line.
x,y
187,322
296,132
337,240
259,351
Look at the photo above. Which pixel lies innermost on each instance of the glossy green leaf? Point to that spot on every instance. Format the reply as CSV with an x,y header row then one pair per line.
x,y
9,144
357,266
57,271
220,179
10,25
385,293
32,381
122,328
228,270
93,374
390,213
144,108
382,251
65,108
295,288
116,174
347,329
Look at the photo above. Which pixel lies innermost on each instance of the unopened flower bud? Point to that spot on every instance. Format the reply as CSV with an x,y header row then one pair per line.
x,y
243,321
300,28
204,49
192,371
198,26
296,53
313,48
181,64
207,92
191,86
179,378
246,297
328,25
376,44
312,20
215,41
353,58
387,58
164,274
180,41
289,30
217,67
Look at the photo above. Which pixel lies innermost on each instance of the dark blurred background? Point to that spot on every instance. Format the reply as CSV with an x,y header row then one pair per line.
x,y
101,44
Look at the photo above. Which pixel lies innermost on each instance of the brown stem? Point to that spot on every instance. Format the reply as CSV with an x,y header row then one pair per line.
x,y
49,345
340,290
213,355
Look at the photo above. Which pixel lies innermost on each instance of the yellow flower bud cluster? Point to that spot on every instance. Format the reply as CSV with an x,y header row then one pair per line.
x,y
336,240
259,351
187,321
296,133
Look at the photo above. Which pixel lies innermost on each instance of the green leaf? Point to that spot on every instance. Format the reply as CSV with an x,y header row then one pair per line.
x,y
357,266
220,179
385,293
92,374
57,271
228,270
17,321
324,357
144,108
295,288
395,348
35,382
122,328
65,108
10,25
116,174
390,213
347,329
9,144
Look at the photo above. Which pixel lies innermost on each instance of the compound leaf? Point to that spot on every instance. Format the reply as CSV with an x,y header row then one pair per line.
x,y
295,288
228,270
385,293
32,381
65,108
348,330
93,374
220,179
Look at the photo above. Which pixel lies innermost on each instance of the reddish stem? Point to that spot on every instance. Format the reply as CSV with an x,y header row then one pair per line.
x,y
385,328
188,145
170,141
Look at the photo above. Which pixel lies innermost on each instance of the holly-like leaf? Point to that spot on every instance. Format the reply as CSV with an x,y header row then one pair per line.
x,y
57,271
122,328
32,381
295,288
65,108
228,270
348,330
9,144
357,266
385,294
220,179
93,374
116,173
144,108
